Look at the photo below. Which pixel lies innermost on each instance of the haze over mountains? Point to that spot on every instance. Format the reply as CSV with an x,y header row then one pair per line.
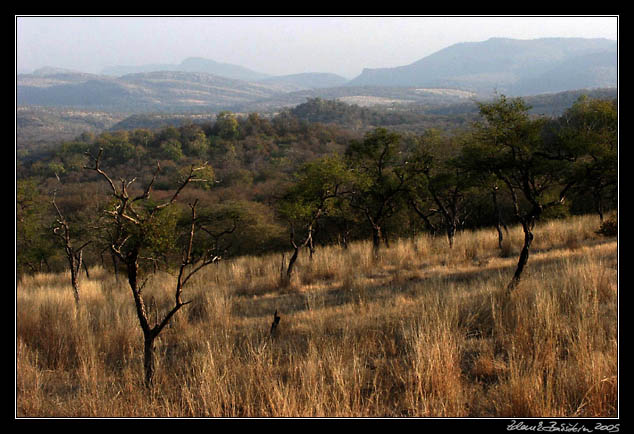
x,y
457,73
518,67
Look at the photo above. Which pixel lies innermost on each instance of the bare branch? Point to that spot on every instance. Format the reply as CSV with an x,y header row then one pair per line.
x,y
123,211
159,327
218,235
187,180
146,193
97,168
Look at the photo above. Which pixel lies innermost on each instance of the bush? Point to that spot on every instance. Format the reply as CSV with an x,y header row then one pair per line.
x,y
609,227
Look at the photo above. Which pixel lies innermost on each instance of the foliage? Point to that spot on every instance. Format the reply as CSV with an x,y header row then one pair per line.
x,y
34,245
591,126
514,147
314,184
380,184
241,227
283,169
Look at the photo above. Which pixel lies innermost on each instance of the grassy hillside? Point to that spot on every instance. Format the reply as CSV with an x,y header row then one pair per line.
x,y
423,331
140,92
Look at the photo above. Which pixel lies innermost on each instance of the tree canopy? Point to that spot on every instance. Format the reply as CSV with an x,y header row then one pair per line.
x,y
299,169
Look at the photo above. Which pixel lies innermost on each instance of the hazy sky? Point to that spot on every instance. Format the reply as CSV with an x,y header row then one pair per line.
x,y
273,45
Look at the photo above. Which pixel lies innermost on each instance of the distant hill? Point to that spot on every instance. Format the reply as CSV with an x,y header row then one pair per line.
x,y
453,75
36,125
287,83
163,90
50,70
309,80
142,92
511,66
154,121
191,64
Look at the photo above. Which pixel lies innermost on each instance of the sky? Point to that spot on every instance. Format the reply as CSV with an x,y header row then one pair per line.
x,y
274,45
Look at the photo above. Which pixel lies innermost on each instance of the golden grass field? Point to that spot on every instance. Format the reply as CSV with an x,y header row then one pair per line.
x,y
424,331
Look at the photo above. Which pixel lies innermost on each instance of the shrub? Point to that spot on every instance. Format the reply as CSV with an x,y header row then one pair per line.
x,y
609,227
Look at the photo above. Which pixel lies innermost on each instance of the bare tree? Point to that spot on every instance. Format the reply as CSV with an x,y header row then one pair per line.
x,y
306,241
74,255
132,225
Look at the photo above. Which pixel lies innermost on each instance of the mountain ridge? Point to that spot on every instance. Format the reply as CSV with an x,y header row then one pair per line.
x,y
190,64
503,65
497,63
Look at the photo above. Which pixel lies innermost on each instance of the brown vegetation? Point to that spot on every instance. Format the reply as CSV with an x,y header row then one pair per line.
x,y
423,330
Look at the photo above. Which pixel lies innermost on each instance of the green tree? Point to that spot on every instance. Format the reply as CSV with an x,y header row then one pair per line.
x,y
226,126
535,169
171,149
317,184
592,125
380,183
117,146
33,243
141,139
240,227
255,125
194,141
437,184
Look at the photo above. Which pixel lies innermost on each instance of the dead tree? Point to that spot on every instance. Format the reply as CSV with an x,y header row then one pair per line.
x,y
130,237
298,245
74,255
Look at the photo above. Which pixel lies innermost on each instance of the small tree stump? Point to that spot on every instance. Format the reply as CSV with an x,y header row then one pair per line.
x,y
276,321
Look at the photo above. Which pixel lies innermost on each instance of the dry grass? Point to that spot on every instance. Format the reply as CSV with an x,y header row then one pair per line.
x,y
423,331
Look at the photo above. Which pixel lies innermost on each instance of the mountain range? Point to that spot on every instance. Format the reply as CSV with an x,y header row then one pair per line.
x,y
459,72
512,66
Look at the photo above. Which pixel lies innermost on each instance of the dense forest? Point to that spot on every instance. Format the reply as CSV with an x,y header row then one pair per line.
x,y
320,173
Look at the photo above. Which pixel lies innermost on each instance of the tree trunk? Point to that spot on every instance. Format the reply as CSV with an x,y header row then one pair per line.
x,y
132,268
599,207
74,263
115,266
451,233
148,358
376,240
311,248
500,235
523,259
86,269
291,263
282,266
499,222
344,239
75,283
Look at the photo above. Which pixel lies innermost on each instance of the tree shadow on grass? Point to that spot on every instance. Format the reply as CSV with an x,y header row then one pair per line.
x,y
394,283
